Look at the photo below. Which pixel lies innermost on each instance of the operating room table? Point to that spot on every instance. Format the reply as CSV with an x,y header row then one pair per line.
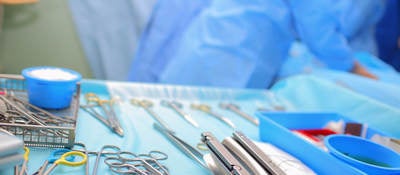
x,y
140,136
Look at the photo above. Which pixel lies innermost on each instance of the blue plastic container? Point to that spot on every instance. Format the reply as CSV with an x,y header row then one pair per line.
x,y
275,128
363,154
50,87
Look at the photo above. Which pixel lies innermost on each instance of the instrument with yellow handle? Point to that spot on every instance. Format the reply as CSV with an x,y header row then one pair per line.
x,y
24,165
63,161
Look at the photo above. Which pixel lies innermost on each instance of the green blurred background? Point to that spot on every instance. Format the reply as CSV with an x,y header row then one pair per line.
x,y
40,34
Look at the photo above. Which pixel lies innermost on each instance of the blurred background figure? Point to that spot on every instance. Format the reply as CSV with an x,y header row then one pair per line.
x,y
244,43
162,37
109,31
388,34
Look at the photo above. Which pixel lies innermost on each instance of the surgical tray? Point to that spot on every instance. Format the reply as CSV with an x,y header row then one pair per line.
x,y
59,133
277,128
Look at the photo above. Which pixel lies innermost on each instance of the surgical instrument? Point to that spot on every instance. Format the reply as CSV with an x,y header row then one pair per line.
x,y
146,105
236,109
128,160
17,108
86,152
207,109
39,110
257,154
63,160
245,158
190,151
153,157
24,166
55,155
42,115
121,167
177,107
223,156
115,150
107,106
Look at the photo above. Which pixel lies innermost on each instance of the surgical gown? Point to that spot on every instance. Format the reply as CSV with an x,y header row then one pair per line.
x,y
240,43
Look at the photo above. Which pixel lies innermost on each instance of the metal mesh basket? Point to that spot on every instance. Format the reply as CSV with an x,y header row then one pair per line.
x,y
37,127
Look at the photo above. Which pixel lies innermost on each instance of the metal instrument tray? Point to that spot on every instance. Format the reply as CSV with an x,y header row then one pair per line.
x,y
57,128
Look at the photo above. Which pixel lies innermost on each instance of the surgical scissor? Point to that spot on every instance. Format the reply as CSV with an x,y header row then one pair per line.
x,y
207,109
107,106
146,105
55,155
63,160
190,151
176,106
114,150
128,162
86,152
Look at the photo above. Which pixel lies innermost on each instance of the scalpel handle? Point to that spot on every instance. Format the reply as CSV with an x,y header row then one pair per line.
x,y
263,159
223,155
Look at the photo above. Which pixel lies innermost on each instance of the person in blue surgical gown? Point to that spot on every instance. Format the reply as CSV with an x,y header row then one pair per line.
x,y
388,34
242,44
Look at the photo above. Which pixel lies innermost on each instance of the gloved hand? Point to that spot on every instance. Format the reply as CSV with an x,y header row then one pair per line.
x,y
362,71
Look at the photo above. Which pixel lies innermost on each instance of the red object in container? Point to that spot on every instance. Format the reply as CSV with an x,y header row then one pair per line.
x,y
316,135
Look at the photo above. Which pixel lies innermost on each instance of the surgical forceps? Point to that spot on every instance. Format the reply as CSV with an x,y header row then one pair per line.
x,y
18,109
146,105
190,151
25,104
176,106
63,160
128,162
107,106
207,109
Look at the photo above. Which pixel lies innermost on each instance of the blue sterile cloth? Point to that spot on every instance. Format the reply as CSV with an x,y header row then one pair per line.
x,y
302,61
313,94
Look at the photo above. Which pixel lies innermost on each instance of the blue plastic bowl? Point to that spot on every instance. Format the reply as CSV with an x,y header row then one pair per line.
x,y
50,90
363,154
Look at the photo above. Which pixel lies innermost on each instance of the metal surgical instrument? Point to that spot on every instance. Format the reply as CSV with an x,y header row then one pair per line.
x,y
257,154
236,109
96,164
17,108
176,106
24,164
107,106
137,163
190,151
146,105
207,109
86,152
223,156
